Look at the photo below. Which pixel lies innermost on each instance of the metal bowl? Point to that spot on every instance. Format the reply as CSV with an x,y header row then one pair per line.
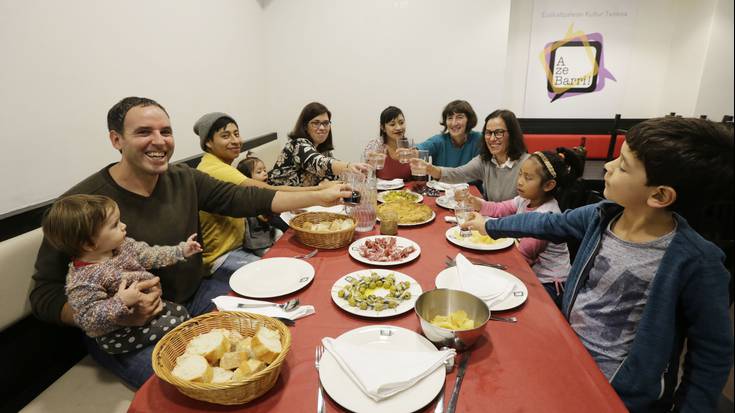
x,y
444,301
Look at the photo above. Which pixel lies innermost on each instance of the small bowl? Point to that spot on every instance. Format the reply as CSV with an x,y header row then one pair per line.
x,y
444,301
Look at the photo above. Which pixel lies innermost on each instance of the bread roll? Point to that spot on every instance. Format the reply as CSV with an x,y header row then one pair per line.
x,y
246,345
232,335
211,345
266,344
220,375
193,367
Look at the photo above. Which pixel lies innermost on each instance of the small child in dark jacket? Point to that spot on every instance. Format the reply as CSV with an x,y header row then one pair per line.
x,y
261,235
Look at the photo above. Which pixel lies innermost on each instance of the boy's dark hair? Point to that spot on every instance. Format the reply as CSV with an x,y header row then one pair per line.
x,y
301,128
217,126
568,165
693,156
516,144
459,106
247,166
387,115
116,114
74,221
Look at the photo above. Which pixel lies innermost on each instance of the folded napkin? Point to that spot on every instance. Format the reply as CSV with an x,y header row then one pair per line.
x,y
396,371
383,183
229,303
288,215
475,282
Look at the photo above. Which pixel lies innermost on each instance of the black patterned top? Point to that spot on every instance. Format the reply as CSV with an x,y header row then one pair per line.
x,y
300,164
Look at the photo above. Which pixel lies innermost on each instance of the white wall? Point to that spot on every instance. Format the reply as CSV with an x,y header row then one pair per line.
x,y
65,63
716,88
358,57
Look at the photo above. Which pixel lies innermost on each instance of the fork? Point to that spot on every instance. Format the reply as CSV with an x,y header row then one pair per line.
x,y
320,406
307,256
451,263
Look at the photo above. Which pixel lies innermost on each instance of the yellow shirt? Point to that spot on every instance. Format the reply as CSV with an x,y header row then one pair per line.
x,y
220,234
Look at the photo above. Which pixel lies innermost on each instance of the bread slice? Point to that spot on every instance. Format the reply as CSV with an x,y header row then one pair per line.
x,y
193,367
211,345
220,375
248,368
233,335
246,345
266,344
231,360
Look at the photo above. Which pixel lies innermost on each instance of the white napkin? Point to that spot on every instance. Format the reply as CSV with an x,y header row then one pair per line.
x,y
404,369
486,287
288,216
229,303
382,183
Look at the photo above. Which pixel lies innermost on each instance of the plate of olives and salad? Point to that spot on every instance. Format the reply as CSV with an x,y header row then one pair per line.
x,y
376,293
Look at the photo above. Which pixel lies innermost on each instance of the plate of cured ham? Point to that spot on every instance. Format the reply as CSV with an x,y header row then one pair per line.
x,y
383,250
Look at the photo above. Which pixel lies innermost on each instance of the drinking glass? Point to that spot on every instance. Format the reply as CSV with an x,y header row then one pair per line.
x,y
419,164
356,181
376,159
463,212
403,147
462,193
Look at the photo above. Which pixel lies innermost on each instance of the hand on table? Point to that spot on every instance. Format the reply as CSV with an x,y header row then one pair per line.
x,y
475,222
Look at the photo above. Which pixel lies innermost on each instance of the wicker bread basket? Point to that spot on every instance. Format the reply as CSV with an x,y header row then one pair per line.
x,y
174,343
324,240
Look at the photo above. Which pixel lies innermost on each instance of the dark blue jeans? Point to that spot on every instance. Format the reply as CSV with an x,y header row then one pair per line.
x,y
135,368
551,289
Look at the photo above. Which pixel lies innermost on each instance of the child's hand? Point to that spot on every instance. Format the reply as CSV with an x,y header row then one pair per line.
x,y
192,246
130,295
476,203
475,222
262,219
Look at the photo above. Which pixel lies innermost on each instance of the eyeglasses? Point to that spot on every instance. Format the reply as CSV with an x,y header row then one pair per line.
x,y
316,124
498,133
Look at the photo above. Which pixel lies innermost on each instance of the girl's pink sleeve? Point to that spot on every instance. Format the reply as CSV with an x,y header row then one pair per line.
x,y
530,248
498,209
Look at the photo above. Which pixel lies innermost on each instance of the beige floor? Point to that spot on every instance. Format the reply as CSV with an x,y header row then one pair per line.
x,y
86,388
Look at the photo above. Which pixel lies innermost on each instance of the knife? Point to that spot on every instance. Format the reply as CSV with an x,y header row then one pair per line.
x,y
458,383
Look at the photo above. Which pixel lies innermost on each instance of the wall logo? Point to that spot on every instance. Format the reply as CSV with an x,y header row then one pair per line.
x,y
574,65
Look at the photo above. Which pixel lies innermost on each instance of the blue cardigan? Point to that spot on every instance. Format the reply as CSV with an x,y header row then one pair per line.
x,y
688,299
444,153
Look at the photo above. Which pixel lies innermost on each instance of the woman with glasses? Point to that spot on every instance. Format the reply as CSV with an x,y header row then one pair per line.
x,y
458,143
499,161
392,129
307,157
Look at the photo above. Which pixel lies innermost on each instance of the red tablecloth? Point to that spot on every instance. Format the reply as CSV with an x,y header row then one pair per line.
x,y
535,365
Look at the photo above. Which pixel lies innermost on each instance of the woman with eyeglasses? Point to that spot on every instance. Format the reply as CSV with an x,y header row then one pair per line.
x,y
306,159
499,161
458,143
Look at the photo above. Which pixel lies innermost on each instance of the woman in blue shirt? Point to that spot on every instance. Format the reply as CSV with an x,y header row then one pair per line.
x,y
458,143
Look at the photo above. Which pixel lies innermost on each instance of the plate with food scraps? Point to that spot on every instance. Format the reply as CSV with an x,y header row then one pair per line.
x,y
446,202
376,293
397,196
383,250
477,241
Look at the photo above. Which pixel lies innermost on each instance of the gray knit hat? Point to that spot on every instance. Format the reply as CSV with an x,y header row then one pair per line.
x,y
203,126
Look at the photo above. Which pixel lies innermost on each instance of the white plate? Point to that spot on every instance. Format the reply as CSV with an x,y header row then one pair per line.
x,y
271,277
344,391
404,306
446,202
439,186
354,250
386,185
337,209
448,279
499,244
419,197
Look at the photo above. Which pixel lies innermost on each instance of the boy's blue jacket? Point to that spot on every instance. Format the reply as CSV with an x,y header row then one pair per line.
x,y
688,299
